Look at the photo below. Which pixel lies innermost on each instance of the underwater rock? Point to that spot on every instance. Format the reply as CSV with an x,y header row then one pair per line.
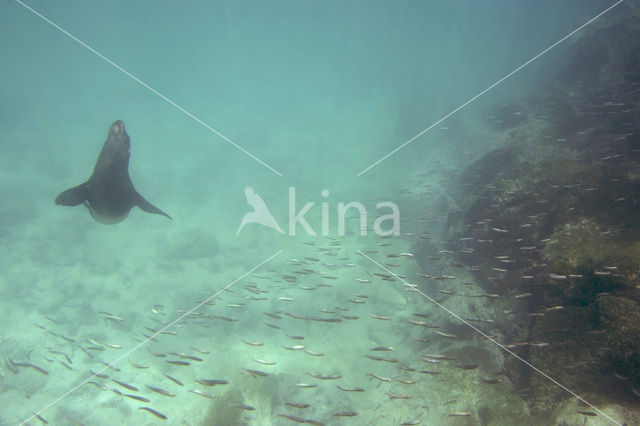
x,y
192,244
571,359
607,263
553,213
222,412
572,412
621,318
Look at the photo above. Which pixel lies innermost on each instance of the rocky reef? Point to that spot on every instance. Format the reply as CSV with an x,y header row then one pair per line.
x,y
549,222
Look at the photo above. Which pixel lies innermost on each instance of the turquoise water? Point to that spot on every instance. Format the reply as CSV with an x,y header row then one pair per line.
x,y
318,91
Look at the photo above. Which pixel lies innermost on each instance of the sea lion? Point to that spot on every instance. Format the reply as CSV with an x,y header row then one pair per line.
x,y
109,193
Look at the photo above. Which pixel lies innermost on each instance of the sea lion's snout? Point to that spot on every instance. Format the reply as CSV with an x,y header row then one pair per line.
x,y
119,139
117,127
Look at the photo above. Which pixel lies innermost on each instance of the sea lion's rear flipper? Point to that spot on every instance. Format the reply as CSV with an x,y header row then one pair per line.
x,y
73,196
148,207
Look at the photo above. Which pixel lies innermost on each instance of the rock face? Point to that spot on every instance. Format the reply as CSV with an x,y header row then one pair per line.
x,y
550,221
621,318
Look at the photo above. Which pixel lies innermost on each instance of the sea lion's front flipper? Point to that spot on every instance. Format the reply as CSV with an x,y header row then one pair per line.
x,y
73,196
148,207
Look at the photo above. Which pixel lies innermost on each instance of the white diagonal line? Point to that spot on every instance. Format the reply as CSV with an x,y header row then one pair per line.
x,y
139,345
489,88
145,85
485,335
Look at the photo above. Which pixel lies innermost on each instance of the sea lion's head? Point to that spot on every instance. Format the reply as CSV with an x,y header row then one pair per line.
x,y
117,127
118,139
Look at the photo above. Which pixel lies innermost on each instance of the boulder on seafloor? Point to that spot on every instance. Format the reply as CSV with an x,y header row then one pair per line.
x,y
223,411
192,244
607,261
561,345
621,318
593,349
575,413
